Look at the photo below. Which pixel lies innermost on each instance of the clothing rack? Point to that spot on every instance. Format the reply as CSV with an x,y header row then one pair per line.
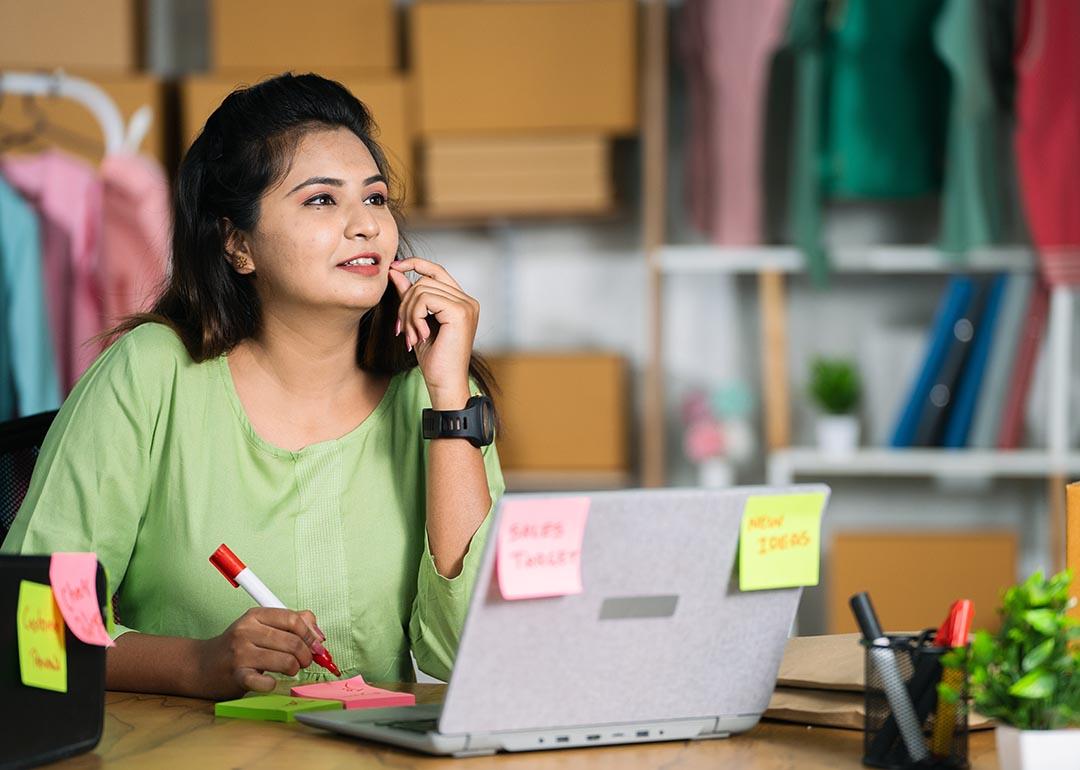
x,y
119,137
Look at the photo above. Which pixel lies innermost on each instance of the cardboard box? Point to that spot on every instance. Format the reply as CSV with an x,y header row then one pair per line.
x,y
385,96
525,65
104,35
282,35
73,128
562,412
517,175
913,577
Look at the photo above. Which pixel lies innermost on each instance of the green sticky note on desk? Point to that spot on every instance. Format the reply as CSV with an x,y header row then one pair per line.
x,y
40,629
273,708
780,541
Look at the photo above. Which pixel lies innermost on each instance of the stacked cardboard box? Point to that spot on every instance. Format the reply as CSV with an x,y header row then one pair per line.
x,y
914,576
517,175
101,42
518,100
101,36
562,412
352,41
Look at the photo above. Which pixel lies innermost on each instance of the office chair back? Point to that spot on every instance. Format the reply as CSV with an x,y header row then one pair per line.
x,y
20,441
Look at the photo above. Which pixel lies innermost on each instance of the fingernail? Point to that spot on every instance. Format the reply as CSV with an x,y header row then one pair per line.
x,y
317,648
319,631
397,327
408,346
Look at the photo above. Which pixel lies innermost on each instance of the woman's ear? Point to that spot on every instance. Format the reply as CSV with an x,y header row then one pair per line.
x,y
237,249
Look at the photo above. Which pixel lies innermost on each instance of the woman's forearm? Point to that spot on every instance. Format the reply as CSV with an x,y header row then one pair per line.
x,y
159,664
457,500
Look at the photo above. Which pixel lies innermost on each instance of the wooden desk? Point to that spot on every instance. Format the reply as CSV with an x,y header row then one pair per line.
x,y
153,731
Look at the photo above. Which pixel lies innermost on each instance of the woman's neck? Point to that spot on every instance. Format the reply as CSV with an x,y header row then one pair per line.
x,y
309,359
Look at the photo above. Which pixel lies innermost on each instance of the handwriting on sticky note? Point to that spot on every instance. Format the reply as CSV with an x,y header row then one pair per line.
x,y
539,546
780,541
40,631
74,584
354,693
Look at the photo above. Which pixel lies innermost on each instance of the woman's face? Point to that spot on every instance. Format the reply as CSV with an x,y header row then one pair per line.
x,y
325,236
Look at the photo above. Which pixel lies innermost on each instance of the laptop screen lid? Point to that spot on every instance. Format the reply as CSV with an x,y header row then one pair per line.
x,y
661,630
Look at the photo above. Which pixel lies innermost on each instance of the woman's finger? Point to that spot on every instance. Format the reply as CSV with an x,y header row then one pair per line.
x,y
255,681
287,642
424,267
429,301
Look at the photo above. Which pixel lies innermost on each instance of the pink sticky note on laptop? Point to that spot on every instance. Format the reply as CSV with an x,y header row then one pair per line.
x,y
74,584
539,546
354,693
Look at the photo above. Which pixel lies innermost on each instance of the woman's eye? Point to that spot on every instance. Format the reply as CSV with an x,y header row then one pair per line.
x,y
377,199
322,199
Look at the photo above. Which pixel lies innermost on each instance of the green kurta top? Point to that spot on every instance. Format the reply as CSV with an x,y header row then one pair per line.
x,y
152,463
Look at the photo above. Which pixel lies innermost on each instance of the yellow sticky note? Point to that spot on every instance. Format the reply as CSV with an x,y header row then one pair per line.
x,y
40,629
780,541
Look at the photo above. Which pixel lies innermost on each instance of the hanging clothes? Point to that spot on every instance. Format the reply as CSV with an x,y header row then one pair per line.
x,y
728,47
1048,132
28,378
135,248
68,197
977,207
872,100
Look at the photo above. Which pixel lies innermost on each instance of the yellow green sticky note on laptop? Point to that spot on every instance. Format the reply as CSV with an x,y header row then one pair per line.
x,y
272,708
780,541
42,645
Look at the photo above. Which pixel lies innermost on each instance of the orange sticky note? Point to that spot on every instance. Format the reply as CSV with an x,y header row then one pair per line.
x,y
354,693
40,630
74,584
539,546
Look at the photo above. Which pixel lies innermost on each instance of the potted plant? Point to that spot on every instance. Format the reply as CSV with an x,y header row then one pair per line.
x,y
835,388
1027,676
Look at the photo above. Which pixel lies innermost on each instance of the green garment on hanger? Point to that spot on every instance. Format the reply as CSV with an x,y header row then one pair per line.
x,y
870,109
978,158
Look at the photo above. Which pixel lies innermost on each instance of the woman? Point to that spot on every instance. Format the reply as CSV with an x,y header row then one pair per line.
x,y
272,401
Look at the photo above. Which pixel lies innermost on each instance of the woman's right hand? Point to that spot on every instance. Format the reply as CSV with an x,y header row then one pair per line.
x,y
262,639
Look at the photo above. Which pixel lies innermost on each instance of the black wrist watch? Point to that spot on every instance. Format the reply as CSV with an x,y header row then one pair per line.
x,y
475,423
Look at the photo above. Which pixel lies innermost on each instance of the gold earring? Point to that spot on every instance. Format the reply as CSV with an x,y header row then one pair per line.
x,y
239,261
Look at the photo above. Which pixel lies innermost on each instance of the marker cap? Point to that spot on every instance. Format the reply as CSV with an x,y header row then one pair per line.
x,y
227,563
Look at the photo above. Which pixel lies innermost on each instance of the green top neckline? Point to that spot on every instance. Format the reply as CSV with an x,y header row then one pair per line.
x,y
364,426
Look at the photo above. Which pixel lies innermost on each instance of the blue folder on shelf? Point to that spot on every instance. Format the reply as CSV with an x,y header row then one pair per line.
x,y
954,303
967,394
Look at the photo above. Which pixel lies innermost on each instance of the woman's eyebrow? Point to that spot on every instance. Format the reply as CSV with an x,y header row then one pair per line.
x,y
334,182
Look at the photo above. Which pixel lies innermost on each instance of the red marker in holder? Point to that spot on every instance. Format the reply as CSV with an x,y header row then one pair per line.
x,y
237,573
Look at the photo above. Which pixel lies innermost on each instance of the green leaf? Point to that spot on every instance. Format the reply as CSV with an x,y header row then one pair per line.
x,y
1037,656
947,694
1043,621
1036,684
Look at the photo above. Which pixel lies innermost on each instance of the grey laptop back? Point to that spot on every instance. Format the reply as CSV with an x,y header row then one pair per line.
x,y
661,631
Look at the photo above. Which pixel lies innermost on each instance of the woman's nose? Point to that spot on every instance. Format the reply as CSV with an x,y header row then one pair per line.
x,y
363,223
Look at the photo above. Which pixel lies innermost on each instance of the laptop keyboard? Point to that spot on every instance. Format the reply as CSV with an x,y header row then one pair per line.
x,y
412,725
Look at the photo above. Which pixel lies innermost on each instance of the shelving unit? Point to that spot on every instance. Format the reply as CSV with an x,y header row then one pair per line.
x,y
771,265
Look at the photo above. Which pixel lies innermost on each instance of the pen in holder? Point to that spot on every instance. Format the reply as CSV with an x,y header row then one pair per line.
x,y
928,733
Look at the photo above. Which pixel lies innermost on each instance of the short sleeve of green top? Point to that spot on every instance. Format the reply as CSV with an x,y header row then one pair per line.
x,y
152,464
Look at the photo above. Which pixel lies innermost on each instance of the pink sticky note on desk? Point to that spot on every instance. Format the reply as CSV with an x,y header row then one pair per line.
x,y
539,547
354,693
74,584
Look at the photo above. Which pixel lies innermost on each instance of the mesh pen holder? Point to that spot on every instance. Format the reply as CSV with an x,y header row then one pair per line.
x,y
906,725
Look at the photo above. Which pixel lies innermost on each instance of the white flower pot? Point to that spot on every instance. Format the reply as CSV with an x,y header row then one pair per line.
x,y
1037,749
838,434
715,473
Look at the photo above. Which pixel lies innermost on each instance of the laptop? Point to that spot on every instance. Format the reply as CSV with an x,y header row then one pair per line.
x,y
660,646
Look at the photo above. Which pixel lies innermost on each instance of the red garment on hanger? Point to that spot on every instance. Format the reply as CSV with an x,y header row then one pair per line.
x,y
1048,132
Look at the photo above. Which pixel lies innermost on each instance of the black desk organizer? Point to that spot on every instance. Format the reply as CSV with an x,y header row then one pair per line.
x,y
42,726
920,666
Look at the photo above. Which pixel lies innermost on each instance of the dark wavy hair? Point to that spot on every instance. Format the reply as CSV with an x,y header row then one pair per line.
x,y
245,148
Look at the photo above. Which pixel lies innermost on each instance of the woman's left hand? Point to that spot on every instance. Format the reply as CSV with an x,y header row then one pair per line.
x,y
443,357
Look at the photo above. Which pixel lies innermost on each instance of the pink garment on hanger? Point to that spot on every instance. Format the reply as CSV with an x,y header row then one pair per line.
x,y
67,195
136,238
1048,133
737,40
